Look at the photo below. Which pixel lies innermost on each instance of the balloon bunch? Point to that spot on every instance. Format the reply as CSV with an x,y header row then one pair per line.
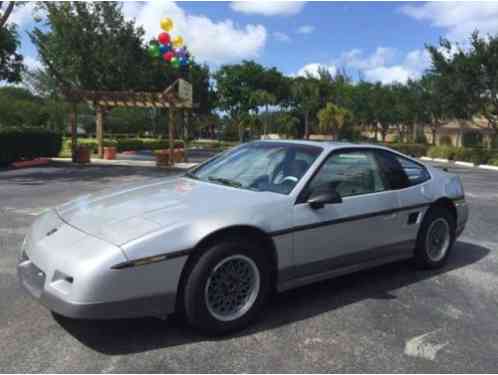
x,y
171,49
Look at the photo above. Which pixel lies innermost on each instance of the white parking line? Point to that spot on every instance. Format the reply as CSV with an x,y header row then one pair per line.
x,y
24,211
420,346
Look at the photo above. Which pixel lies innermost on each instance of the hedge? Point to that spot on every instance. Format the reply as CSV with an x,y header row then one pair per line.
x,y
414,150
473,155
213,144
124,144
28,143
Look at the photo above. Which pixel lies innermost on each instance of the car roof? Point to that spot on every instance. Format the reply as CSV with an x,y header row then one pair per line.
x,y
326,145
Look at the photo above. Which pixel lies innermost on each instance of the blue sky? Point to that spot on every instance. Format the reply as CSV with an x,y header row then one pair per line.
x,y
377,41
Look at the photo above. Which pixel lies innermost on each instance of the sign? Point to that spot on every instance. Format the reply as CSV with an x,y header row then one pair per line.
x,y
185,92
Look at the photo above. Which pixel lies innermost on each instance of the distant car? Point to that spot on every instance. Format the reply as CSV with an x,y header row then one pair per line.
x,y
214,243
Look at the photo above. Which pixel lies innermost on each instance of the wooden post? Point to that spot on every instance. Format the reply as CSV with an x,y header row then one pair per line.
x,y
74,131
186,125
172,123
99,130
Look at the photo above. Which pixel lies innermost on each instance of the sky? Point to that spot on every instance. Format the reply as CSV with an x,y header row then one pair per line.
x,y
375,41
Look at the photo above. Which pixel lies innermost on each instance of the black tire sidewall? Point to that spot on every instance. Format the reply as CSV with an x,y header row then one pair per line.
x,y
421,257
196,310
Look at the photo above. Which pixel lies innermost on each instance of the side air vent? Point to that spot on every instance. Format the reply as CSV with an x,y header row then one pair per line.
x,y
413,218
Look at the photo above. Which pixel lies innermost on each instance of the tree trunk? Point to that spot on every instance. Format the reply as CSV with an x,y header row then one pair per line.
x,y
306,126
73,120
99,130
493,139
8,11
171,134
241,132
265,125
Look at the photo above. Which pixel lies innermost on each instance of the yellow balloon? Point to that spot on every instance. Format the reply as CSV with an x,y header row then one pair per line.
x,y
167,24
177,41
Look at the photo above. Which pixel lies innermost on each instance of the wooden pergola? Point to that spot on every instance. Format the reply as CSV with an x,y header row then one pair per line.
x,y
178,96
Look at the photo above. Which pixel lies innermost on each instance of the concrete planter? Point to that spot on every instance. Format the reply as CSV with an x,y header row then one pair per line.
x,y
109,153
83,154
162,158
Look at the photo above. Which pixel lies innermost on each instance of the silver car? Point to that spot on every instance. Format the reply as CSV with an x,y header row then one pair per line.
x,y
262,217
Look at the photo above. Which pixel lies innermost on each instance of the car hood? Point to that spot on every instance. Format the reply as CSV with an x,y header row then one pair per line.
x,y
130,213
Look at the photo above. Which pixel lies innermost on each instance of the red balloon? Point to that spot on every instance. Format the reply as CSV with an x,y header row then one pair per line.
x,y
168,56
164,38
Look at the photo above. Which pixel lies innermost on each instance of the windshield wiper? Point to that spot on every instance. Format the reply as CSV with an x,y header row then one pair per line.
x,y
191,175
225,181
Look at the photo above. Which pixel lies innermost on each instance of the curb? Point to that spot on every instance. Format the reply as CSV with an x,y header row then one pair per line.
x,y
462,163
128,163
489,167
30,163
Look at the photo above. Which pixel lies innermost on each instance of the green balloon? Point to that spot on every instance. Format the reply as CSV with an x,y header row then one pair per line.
x,y
175,62
154,50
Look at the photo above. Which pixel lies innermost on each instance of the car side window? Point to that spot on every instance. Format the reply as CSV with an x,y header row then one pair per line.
x,y
415,172
349,173
394,174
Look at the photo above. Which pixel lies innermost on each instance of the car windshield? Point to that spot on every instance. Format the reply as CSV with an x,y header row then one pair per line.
x,y
259,166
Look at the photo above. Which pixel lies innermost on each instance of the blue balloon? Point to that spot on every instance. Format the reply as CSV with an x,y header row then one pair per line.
x,y
163,48
183,61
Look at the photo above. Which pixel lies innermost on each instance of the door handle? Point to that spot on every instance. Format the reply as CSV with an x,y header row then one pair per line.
x,y
390,216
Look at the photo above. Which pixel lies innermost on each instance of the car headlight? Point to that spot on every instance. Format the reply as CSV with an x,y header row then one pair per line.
x,y
24,247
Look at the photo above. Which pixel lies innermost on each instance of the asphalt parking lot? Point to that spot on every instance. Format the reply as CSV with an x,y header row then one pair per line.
x,y
389,319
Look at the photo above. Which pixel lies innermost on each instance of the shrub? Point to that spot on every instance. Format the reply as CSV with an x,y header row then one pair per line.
x,y
473,155
213,144
421,138
445,140
123,144
415,150
28,143
443,152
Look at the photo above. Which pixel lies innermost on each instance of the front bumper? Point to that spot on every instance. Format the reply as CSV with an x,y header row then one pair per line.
x,y
71,273
32,280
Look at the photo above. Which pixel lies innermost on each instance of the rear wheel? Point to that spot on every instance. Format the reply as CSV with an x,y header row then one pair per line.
x,y
227,287
435,239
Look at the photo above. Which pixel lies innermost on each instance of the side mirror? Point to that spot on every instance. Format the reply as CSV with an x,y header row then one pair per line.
x,y
320,198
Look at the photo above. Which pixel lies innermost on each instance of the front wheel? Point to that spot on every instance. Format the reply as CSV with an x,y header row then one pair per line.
x,y
435,239
227,287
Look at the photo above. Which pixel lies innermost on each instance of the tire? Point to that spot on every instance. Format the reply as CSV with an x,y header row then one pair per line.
x,y
227,287
433,251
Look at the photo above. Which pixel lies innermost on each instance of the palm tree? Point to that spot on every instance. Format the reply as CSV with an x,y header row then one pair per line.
x,y
263,98
331,119
305,92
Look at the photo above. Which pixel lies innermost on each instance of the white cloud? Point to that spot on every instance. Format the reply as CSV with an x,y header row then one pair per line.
x,y
459,18
313,69
357,60
396,73
305,29
281,37
23,15
209,41
268,8
382,65
32,63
